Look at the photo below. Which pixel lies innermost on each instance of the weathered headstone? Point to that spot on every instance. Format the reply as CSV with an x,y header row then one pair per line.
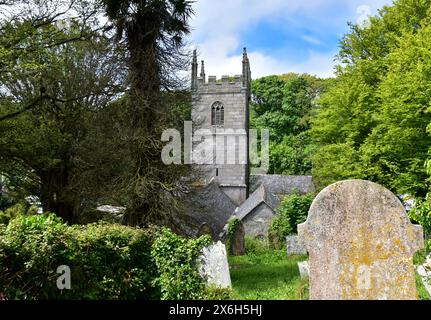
x,y
237,241
214,267
361,244
304,269
295,246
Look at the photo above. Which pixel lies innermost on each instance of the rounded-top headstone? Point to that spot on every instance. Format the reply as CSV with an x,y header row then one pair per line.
x,y
361,244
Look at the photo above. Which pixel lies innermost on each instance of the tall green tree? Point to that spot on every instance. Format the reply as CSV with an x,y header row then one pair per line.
x,y
153,31
372,122
284,105
31,26
48,92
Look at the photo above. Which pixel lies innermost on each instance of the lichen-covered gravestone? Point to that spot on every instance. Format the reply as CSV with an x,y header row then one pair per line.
x,y
214,266
361,244
294,245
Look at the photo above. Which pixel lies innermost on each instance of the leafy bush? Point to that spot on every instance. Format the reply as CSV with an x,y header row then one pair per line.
x,y
176,261
255,246
216,293
421,213
106,261
20,209
118,260
293,210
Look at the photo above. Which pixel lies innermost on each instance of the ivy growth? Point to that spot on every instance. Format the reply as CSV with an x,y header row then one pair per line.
x,y
232,229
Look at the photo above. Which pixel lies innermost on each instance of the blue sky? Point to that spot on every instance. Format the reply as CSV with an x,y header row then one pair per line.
x,y
281,35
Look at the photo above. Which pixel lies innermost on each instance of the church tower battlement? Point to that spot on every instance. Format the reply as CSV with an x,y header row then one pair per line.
x,y
223,106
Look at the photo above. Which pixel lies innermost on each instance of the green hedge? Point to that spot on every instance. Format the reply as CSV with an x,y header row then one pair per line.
x,y
176,260
107,261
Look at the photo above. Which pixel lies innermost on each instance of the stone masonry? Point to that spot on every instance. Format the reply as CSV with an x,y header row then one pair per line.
x,y
230,164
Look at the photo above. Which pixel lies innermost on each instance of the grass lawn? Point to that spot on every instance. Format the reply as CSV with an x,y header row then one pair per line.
x,y
271,275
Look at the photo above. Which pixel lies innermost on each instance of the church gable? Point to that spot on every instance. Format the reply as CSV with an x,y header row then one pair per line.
x,y
257,222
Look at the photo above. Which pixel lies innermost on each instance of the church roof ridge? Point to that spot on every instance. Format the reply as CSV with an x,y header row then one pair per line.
x,y
261,195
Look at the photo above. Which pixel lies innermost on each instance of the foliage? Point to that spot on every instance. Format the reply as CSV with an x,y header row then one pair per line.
x,y
18,210
216,293
422,291
232,229
268,275
292,211
176,259
63,76
27,28
255,246
421,213
6,202
153,33
292,156
284,105
372,121
69,132
107,261
419,258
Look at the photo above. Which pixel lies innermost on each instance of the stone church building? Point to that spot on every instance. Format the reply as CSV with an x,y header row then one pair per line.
x,y
227,190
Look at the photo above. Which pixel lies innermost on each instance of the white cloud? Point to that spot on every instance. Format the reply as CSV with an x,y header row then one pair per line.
x,y
219,25
264,65
234,16
311,39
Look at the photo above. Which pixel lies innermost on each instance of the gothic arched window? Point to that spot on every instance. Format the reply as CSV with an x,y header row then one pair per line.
x,y
217,114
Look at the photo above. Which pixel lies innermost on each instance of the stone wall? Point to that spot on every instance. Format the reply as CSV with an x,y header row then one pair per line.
x,y
257,222
230,151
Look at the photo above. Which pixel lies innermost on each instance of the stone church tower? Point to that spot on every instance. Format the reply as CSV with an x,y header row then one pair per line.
x,y
220,109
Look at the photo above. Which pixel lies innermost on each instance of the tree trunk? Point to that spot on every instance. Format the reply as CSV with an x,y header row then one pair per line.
x,y
54,195
145,107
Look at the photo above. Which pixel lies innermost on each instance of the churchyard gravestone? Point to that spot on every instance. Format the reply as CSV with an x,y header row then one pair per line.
x,y
237,240
304,269
295,246
214,266
361,244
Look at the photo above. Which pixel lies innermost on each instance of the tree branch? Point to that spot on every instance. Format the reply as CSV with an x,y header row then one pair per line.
x,y
36,102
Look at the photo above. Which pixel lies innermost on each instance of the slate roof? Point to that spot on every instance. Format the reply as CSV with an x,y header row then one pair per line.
x,y
261,195
282,185
208,205
269,189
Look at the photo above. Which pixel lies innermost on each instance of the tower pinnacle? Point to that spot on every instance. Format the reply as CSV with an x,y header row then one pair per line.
x,y
203,70
195,71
